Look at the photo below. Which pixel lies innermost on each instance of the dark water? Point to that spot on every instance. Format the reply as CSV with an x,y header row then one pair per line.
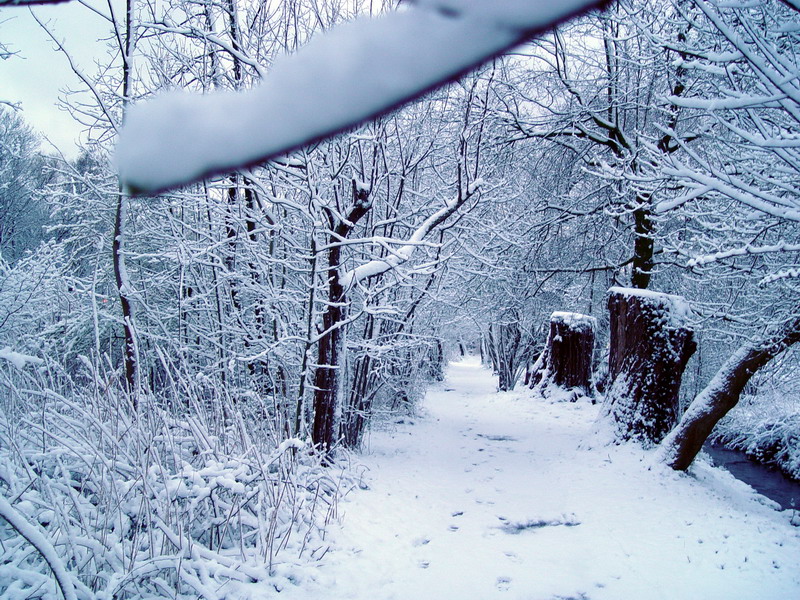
x,y
764,479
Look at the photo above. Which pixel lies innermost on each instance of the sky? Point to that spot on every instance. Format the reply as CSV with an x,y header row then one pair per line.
x,y
38,75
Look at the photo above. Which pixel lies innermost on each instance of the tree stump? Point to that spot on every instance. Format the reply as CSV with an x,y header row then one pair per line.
x,y
564,367
651,342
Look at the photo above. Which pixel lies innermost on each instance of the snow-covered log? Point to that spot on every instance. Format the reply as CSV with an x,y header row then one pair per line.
x,y
651,342
684,442
565,366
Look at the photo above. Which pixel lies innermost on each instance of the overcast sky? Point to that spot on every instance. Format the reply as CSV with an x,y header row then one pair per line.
x,y
38,75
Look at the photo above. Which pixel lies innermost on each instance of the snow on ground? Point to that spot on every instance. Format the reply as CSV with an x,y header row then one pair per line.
x,y
490,495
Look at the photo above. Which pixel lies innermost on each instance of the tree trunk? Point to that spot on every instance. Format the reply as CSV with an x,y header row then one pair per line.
x,y
359,405
565,365
650,346
643,245
130,351
123,289
683,443
503,344
330,353
436,361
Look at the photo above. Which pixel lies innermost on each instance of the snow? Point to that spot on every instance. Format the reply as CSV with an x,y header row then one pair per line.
x,y
353,72
676,307
17,359
574,320
503,495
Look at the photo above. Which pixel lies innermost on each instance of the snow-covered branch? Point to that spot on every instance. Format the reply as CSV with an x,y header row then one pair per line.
x,y
209,37
404,253
743,251
729,186
354,72
35,537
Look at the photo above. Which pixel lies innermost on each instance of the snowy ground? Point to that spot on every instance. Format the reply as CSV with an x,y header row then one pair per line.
x,y
491,495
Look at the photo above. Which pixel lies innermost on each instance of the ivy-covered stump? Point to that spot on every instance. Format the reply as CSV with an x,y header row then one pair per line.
x,y
564,368
651,342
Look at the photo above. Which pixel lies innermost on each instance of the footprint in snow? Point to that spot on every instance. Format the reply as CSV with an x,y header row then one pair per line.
x,y
517,527
420,541
498,438
458,513
513,557
424,564
503,583
453,528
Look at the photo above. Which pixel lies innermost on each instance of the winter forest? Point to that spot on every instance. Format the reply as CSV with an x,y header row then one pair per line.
x,y
332,283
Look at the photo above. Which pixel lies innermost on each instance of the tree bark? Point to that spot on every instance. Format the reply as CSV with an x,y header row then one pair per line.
x,y
565,364
682,445
650,346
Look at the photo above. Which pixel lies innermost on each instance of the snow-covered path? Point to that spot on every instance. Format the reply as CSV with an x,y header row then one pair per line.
x,y
489,495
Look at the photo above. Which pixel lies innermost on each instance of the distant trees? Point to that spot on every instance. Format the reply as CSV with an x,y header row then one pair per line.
x,y
23,215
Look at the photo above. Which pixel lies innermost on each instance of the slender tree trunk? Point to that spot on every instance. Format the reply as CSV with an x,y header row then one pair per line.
x,y
683,443
130,351
503,345
360,400
300,416
123,289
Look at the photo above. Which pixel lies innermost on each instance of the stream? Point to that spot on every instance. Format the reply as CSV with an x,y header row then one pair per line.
x,y
765,479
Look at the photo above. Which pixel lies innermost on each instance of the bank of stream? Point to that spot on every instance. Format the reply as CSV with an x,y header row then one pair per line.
x,y
765,479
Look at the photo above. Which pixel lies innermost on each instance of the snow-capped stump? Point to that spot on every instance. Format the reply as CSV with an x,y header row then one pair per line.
x,y
565,365
651,342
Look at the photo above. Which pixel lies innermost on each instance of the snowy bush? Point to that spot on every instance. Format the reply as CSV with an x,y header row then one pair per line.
x,y
179,503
